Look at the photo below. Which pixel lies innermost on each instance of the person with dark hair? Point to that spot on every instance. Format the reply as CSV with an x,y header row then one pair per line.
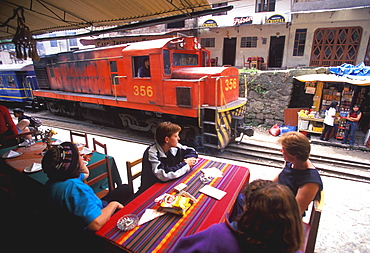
x,y
271,222
67,191
23,125
299,174
144,71
352,121
166,158
329,121
7,126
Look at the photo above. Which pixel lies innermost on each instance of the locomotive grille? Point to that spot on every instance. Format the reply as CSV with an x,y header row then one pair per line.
x,y
183,97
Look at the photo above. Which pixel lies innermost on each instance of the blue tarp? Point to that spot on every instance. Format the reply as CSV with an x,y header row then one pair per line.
x,y
358,72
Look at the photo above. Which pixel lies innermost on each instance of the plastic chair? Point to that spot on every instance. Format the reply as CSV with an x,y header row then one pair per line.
x,y
99,177
311,228
83,135
132,176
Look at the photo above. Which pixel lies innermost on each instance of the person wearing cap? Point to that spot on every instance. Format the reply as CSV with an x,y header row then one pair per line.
x,y
66,190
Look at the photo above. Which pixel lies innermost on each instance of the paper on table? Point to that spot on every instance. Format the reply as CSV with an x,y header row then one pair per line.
x,y
85,151
212,172
33,167
10,154
213,192
150,214
56,142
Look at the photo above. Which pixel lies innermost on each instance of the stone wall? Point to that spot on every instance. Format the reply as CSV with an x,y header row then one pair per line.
x,y
269,93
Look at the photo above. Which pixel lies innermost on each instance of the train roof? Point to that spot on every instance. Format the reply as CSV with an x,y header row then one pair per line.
x,y
17,67
149,44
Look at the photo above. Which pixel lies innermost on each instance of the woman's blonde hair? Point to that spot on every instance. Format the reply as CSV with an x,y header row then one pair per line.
x,y
296,144
271,221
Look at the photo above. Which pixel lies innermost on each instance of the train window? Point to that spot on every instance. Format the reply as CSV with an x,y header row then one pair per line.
x,y
52,72
113,66
183,96
10,80
166,62
185,59
141,66
1,82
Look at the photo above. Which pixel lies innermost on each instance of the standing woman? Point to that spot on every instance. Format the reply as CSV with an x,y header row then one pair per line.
x,y
352,119
329,121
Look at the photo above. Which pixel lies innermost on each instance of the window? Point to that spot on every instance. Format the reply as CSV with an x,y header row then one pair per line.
x,y
113,66
218,6
141,66
166,62
179,24
265,5
185,59
53,43
335,46
207,42
11,81
1,82
299,42
72,42
248,42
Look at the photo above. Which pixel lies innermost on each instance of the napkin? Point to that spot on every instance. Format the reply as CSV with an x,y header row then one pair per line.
x,y
150,214
56,142
213,192
33,167
10,154
85,151
212,172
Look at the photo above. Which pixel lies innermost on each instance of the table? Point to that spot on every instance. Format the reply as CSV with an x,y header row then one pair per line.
x,y
32,155
163,232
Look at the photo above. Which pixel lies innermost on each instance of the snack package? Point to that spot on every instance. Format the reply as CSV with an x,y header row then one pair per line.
x,y
177,204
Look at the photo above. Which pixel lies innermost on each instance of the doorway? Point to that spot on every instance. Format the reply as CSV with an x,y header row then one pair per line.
x,y
276,51
228,55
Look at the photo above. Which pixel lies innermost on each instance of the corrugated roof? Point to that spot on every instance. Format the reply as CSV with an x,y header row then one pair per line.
x,y
42,16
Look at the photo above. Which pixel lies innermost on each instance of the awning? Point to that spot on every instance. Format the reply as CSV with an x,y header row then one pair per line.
x,y
43,16
332,78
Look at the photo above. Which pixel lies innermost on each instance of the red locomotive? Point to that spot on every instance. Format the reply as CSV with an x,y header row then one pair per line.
x,y
112,86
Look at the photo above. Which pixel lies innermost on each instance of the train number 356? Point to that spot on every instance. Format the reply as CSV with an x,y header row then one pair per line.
x,y
143,90
230,84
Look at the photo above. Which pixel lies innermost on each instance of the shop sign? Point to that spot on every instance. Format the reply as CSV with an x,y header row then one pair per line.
x,y
276,19
243,20
209,23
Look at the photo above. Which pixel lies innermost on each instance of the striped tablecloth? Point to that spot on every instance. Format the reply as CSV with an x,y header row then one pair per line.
x,y
161,234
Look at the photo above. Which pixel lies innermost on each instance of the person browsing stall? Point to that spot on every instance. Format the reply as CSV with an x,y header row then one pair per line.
x,y
271,222
66,188
329,121
166,158
352,120
299,174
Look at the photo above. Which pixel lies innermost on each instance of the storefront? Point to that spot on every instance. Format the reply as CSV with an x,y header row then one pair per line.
x,y
327,88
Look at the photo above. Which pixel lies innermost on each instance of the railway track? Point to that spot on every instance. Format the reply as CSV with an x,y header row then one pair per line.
x,y
261,154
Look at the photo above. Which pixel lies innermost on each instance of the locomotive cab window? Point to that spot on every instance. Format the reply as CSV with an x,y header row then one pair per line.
x,y
185,59
141,66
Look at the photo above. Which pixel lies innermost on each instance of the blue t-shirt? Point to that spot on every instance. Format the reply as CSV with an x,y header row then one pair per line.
x,y
294,179
76,197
